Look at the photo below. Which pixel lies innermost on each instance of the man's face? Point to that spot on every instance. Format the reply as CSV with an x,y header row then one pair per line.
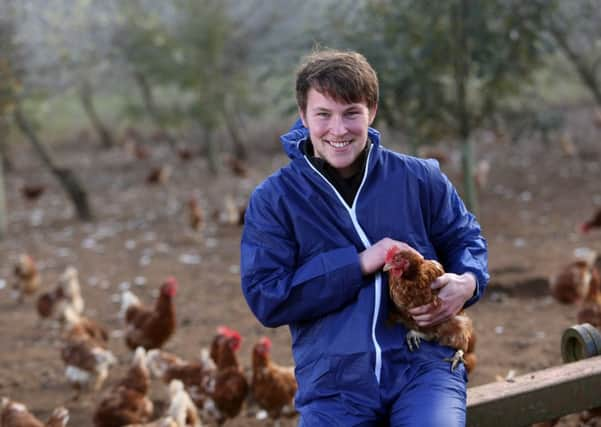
x,y
338,131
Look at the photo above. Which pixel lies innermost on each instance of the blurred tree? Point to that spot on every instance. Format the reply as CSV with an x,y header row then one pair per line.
x,y
15,88
65,50
204,53
143,43
576,30
8,87
66,177
214,63
445,67
87,101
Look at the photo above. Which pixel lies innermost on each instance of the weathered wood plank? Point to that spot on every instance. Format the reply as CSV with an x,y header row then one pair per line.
x,y
537,396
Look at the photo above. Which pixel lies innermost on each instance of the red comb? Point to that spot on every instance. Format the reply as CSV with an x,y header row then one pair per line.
x,y
170,286
230,333
224,330
392,252
266,342
171,281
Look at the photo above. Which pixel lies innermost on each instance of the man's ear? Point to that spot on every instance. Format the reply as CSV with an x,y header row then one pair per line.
x,y
372,114
303,118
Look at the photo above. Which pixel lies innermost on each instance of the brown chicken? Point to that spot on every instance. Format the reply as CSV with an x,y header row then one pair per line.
x,y
409,282
236,166
32,191
216,382
127,402
196,215
184,153
81,327
273,386
27,279
181,411
592,223
67,293
87,363
590,310
232,212
15,414
150,327
575,280
195,375
228,388
159,175
84,352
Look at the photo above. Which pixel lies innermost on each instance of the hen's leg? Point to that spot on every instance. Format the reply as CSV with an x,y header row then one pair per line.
x,y
413,339
457,357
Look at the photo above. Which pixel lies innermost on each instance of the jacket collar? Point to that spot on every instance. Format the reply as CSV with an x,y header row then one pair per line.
x,y
298,134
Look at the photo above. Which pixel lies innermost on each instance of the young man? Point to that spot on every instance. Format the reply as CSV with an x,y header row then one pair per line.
x,y
313,247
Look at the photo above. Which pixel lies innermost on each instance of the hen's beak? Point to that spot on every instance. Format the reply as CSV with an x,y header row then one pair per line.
x,y
387,267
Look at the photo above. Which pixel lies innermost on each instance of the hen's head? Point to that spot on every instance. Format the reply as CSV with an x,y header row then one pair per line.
x,y
169,287
192,203
399,262
594,222
263,347
25,266
233,337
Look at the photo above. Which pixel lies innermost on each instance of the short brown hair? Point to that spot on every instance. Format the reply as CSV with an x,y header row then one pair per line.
x,y
345,76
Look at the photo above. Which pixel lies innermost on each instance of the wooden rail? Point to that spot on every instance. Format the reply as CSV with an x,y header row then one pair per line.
x,y
541,395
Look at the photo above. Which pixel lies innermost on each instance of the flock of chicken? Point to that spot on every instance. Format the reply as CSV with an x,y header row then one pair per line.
x,y
212,389
579,283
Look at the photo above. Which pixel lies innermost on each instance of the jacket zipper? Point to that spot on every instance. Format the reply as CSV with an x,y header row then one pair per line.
x,y
378,277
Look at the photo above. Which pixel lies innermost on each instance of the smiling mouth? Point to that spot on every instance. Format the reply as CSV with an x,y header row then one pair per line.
x,y
338,144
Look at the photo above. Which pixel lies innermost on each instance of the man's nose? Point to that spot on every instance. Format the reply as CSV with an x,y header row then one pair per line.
x,y
337,126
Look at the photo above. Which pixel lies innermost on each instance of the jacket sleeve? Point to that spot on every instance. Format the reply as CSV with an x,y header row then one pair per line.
x,y
280,290
456,234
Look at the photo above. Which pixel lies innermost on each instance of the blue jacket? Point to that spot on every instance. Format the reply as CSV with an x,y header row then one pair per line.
x,y
300,246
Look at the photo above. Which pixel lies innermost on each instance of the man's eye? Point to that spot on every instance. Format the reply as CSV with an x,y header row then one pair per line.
x,y
323,114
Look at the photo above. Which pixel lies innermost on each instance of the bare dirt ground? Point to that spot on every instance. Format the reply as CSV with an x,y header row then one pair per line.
x,y
535,198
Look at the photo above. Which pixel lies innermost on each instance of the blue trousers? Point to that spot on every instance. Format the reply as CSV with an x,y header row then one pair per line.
x,y
416,389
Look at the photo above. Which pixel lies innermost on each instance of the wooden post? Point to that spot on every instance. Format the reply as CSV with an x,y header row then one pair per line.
x,y
537,396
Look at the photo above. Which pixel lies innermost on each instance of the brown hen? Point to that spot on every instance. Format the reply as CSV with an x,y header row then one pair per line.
x,y
127,402
577,279
409,282
150,327
593,222
273,386
15,414
27,278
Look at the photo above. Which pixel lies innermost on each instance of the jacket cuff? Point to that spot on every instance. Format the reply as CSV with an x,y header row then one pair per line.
x,y
477,293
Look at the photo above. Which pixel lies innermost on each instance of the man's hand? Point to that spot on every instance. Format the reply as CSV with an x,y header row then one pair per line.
x,y
455,290
373,258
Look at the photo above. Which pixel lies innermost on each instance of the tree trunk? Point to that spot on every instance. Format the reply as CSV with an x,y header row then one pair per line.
x,y
587,75
85,95
150,106
66,177
232,123
211,151
4,152
3,216
461,69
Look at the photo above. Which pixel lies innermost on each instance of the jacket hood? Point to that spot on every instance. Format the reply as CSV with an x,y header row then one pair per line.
x,y
298,134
